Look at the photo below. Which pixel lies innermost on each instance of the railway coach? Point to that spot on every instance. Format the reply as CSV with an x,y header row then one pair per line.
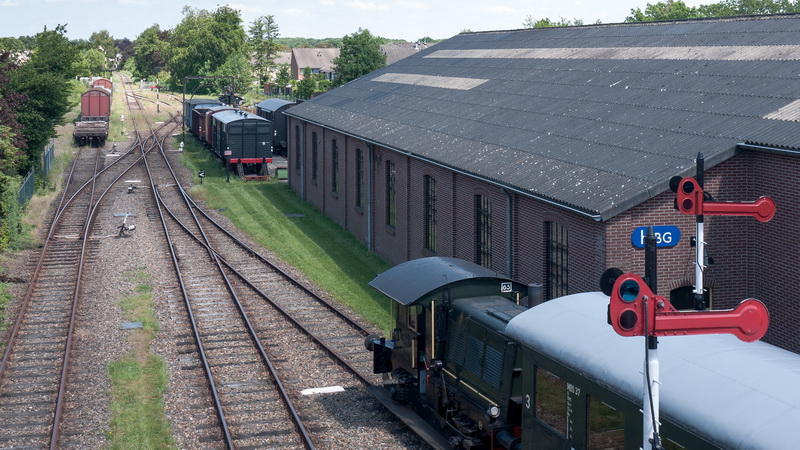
x,y
273,110
490,373
241,138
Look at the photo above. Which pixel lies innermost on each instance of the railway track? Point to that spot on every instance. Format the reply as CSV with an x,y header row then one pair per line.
x,y
36,363
251,340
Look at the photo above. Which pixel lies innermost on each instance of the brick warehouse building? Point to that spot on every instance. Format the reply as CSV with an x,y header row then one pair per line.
x,y
538,152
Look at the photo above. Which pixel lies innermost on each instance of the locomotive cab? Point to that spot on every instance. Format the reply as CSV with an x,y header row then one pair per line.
x,y
447,356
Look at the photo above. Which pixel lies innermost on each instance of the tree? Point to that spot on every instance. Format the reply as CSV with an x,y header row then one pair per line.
x,y
239,67
284,77
202,42
530,22
11,44
262,36
746,7
90,63
45,80
149,51
306,86
360,54
11,135
668,10
102,40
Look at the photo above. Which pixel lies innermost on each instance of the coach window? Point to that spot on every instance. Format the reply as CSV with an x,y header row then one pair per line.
x,y
430,213
556,257
391,195
334,167
359,178
483,231
314,155
551,400
606,426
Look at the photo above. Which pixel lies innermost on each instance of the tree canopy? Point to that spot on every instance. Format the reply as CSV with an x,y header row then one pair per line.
x,y
360,54
262,38
45,80
203,42
676,9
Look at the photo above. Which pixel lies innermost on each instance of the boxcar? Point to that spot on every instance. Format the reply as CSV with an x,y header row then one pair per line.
x,y
96,104
191,104
205,136
102,82
240,137
272,109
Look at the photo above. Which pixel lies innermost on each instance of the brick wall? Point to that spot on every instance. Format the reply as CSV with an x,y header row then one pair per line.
x,y
751,259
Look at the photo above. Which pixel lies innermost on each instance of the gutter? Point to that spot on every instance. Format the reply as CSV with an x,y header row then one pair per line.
x,y
593,216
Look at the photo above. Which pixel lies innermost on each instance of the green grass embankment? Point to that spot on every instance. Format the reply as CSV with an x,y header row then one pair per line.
x,y
295,231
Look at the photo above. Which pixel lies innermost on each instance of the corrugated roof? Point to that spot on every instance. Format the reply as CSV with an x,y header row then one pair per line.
x,y
595,118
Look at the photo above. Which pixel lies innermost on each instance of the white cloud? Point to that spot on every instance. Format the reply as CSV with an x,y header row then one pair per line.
x,y
294,12
366,6
9,3
413,5
247,8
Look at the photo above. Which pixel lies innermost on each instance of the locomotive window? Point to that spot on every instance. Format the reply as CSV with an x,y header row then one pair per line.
x,y
412,318
606,426
551,400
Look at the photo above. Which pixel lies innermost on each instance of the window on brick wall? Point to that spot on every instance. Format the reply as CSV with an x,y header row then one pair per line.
x,y
334,166
430,213
556,259
314,156
483,231
359,178
391,195
297,160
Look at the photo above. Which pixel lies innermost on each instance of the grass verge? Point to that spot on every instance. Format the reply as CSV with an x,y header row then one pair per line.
x,y
295,231
139,378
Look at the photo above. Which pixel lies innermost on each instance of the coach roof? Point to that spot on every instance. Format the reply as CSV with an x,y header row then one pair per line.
x,y
594,118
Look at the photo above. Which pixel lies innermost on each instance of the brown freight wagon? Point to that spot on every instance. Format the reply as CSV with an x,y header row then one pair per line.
x,y
96,104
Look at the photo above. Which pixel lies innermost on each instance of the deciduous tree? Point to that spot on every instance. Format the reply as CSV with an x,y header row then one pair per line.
x,y
360,54
45,80
202,42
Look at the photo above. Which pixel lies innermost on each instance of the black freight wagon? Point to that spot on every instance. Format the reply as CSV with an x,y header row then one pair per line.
x,y
241,137
272,109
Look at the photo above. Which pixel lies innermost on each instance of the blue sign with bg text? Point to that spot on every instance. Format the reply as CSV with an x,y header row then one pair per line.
x,y
666,236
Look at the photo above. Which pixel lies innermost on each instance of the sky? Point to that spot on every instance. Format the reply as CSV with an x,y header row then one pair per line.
x,y
395,19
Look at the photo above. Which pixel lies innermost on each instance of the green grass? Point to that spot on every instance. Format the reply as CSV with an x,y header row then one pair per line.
x,y
5,298
139,378
297,233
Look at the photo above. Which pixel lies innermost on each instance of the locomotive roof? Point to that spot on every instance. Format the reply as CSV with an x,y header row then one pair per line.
x,y
413,280
741,394
235,115
595,119
272,104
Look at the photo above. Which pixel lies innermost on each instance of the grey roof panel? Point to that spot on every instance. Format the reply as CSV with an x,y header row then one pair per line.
x,y
614,118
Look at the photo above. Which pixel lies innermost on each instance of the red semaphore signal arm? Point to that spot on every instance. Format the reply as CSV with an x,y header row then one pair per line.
x,y
635,311
691,201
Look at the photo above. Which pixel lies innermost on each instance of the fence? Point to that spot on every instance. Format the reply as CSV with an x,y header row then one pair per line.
x,y
29,183
27,188
48,158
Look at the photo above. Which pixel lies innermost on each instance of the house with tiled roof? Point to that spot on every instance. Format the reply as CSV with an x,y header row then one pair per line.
x,y
541,154
319,60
